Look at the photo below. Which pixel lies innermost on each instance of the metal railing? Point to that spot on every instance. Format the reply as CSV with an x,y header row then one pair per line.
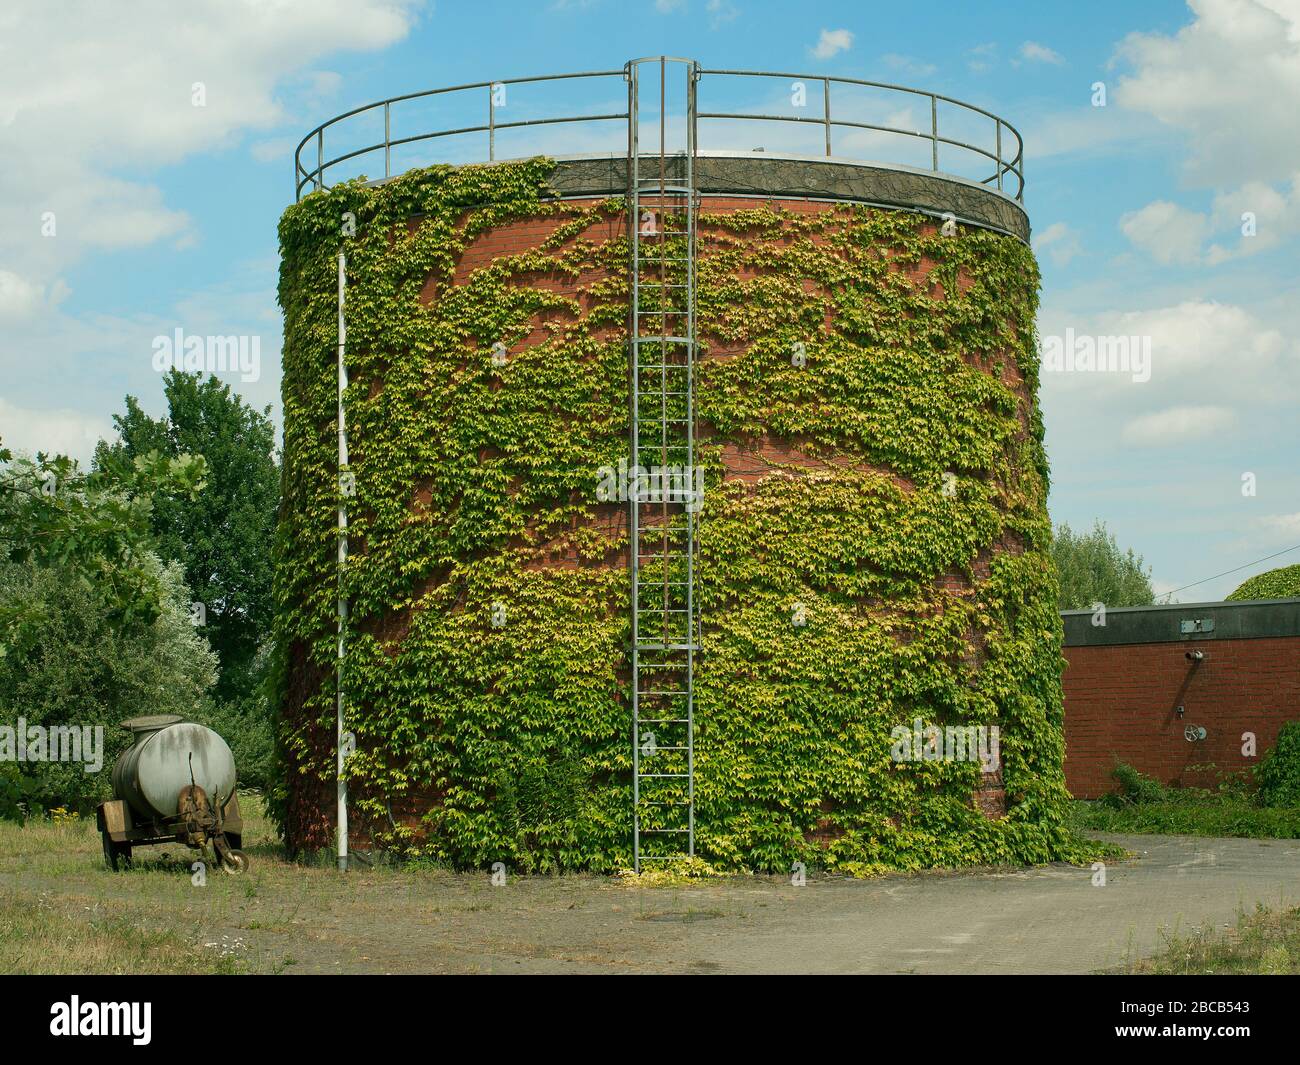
x,y
1007,165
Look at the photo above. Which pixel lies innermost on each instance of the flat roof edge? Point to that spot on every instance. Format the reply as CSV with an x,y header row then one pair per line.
x,y
1183,622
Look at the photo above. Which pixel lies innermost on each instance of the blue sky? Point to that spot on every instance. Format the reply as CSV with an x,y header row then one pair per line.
x,y
126,211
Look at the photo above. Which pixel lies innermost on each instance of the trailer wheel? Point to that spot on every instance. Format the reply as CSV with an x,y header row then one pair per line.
x,y
234,862
116,855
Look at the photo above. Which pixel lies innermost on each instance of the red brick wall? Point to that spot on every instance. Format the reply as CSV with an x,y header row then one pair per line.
x,y
1121,704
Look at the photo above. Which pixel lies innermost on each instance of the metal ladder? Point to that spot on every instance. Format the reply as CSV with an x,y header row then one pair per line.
x,y
662,502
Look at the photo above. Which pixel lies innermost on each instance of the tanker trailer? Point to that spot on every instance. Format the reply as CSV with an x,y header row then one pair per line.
x,y
174,784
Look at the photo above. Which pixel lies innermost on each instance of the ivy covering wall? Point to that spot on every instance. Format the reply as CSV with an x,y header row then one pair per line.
x,y
904,513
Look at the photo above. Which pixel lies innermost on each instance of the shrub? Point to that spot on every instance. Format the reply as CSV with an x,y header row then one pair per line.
x,y
1135,788
1278,773
1282,583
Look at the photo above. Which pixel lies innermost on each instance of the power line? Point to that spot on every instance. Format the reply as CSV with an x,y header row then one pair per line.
x,y
1247,565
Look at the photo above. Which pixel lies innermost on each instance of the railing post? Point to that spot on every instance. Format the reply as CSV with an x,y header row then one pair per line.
x,y
320,158
934,133
388,170
998,152
826,111
492,127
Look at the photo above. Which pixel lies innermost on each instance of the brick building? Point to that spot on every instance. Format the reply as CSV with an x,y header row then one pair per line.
x,y
1136,692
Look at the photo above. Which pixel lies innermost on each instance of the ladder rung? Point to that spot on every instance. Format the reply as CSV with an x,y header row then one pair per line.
x,y
663,831
664,720
662,776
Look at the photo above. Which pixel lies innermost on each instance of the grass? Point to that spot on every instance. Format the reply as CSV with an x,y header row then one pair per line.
x,y
62,912
1200,814
1144,805
1265,942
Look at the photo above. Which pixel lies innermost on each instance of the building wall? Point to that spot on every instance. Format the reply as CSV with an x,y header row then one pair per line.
x,y
892,490
1122,698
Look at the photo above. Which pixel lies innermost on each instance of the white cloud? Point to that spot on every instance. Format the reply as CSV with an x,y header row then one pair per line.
x,y
831,43
18,297
913,67
1201,353
982,57
720,13
1089,131
58,400
1040,53
273,149
1169,233
1249,219
54,431
1201,348
116,84
1059,242
1281,526
86,91
1177,425
1229,81
1274,215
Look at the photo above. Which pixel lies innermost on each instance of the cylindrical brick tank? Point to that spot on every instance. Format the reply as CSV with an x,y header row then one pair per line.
x,y
876,599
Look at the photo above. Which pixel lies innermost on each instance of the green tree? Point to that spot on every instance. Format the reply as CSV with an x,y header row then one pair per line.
x,y
83,663
222,537
1092,569
97,526
94,627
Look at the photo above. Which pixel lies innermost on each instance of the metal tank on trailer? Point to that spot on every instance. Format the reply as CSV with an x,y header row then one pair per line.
x,y
174,784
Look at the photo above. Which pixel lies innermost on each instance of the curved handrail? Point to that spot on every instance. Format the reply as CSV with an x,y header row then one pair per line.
x,y
1004,168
